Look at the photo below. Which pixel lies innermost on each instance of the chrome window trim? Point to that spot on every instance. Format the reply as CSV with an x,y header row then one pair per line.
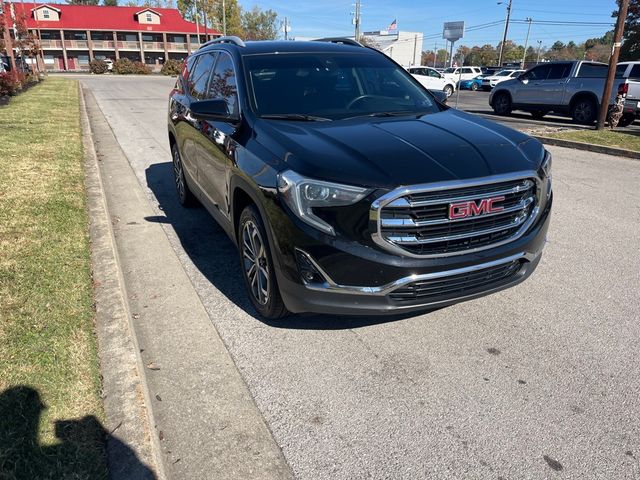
x,y
375,220
330,286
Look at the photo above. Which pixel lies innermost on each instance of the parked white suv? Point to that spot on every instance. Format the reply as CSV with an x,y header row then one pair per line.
x,y
462,73
491,81
432,80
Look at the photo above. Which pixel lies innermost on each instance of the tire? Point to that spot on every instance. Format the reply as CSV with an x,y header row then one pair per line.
x,y
255,256
626,120
474,86
538,114
185,195
584,111
448,89
502,104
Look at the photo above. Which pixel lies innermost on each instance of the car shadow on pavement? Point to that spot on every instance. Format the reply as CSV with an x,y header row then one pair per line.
x,y
215,255
80,452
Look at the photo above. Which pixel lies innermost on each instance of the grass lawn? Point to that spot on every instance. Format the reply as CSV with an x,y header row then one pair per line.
x,y
611,138
50,406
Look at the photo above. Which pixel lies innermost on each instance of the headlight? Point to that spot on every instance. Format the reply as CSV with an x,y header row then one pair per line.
x,y
303,194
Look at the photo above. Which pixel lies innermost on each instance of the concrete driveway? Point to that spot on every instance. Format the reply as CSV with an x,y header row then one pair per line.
x,y
539,381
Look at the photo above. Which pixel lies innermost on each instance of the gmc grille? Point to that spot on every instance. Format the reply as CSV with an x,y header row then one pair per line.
x,y
418,222
457,285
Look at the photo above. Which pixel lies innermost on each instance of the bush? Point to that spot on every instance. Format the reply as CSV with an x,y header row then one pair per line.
x,y
98,66
172,67
141,69
124,66
11,82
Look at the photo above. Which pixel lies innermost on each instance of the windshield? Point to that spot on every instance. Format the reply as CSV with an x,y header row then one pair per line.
x,y
332,86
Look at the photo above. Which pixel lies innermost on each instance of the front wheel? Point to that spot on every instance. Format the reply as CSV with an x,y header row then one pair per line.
x,y
257,265
448,89
502,104
474,86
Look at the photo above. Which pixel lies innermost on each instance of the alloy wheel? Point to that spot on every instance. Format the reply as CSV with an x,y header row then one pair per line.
x,y
583,112
255,262
178,174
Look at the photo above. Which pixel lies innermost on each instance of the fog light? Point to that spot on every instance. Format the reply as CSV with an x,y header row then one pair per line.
x,y
308,272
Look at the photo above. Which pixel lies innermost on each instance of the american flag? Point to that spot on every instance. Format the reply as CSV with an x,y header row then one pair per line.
x,y
393,26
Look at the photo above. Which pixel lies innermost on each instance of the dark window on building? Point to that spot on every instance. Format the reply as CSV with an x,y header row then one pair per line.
x,y
199,77
223,83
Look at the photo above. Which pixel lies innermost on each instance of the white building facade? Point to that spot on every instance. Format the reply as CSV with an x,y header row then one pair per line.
x,y
403,47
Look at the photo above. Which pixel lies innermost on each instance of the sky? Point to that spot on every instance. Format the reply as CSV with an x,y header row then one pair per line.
x,y
332,18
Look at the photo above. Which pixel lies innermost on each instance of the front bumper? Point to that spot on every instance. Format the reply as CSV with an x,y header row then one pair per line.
x,y
355,279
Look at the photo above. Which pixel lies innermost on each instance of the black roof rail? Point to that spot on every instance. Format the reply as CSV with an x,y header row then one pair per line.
x,y
228,39
344,41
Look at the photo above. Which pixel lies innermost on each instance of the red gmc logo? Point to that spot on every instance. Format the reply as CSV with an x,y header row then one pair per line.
x,y
471,208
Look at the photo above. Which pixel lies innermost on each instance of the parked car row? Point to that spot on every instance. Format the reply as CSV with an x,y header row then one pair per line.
x,y
432,79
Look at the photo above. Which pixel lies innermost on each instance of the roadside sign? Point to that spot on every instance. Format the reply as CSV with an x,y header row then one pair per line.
x,y
453,31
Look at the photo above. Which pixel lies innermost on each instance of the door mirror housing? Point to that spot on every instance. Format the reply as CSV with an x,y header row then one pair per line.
x,y
440,95
211,109
523,79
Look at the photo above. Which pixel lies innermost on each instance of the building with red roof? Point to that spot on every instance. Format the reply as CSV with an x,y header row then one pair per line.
x,y
72,35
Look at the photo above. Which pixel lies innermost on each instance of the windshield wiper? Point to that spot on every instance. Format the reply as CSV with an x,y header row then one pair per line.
x,y
389,114
295,116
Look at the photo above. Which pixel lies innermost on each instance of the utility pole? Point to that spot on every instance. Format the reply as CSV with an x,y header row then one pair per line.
x,y
539,47
8,44
195,6
356,21
613,61
415,45
435,54
506,30
224,19
204,18
526,43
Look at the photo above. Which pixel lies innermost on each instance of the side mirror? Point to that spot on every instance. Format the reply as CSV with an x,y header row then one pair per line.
x,y
523,79
440,95
212,109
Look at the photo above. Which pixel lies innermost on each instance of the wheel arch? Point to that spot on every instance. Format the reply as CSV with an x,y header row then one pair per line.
x,y
581,95
502,91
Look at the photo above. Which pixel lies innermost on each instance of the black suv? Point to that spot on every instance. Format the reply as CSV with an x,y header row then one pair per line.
x,y
347,186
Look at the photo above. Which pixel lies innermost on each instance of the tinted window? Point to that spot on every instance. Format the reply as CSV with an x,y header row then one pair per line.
x,y
467,70
593,70
433,73
333,85
538,73
223,83
635,71
200,76
559,70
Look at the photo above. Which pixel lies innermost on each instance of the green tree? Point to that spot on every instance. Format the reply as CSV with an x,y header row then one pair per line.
x,y
260,24
233,13
630,49
110,3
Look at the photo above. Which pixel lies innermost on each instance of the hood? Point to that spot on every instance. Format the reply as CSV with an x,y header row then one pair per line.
x,y
389,152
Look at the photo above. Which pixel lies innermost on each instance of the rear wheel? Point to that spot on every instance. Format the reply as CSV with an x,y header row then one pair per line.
x,y
584,111
185,196
474,86
448,89
502,103
257,265
626,120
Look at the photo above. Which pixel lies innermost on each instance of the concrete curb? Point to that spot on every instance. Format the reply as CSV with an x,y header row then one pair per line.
x,y
129,446
590,147
203,418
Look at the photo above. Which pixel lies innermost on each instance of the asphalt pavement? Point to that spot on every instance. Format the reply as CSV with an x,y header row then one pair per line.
x,y
539,381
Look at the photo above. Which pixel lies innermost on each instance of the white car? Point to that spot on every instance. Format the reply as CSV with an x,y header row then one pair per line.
x,y
431,79
491,81
455,74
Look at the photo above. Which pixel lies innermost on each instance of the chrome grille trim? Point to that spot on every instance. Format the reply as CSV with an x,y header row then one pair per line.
x,y
401,198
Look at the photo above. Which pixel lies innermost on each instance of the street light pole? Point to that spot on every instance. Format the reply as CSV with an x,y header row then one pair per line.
x,y
613,62
539,47
224,19
526,43
356,21
506,30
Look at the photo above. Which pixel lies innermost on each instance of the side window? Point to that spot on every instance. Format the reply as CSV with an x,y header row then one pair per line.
x,y
593,70
558,71
635,72
200,76
433,73
538,73
223,83
467,70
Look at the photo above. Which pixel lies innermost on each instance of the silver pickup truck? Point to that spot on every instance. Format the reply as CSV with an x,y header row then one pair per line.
x,y
568,88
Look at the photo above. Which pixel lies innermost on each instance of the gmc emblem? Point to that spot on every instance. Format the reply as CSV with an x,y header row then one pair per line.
x,y
471,208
